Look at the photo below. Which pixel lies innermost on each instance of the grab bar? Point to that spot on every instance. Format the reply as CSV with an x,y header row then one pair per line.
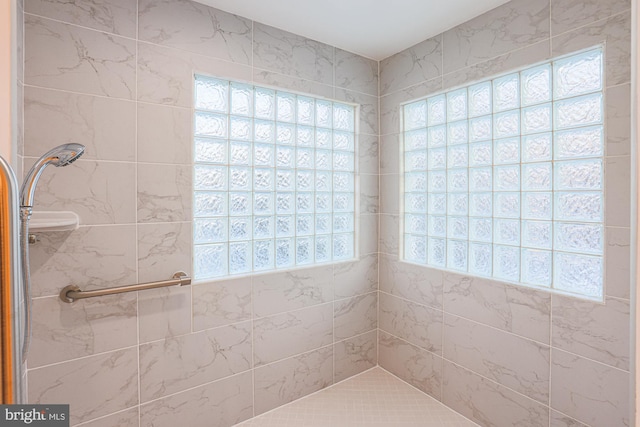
x,y
71,293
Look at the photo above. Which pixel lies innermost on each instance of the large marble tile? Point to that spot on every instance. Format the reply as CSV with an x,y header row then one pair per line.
x,y
390,194
512,361
291,54
594,330
218,404
389,234
221,303
413,65
415,283
368,151
195,27
369,194
63,331
512,26
390,149
354,316
164,193
94,386
285,291
164,313
90,257
488,403
390,104
590,392
295,332
368,234
618,262
418,324
164,134
177,364
163,249
107,127
418,367
367,112
567,15
618,119
355,72
356,277
355,355
290,379
127,418
111,16
67,57
520,310
561,420
617,191
292,83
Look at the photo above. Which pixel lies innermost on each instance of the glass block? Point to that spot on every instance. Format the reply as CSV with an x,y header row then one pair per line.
x,y
343,223
323,181
458,156
285,180
457,105
210,261
536,148
536,119
415,203
480,179
578,175
304,225
263,154
437,110
305,136
577,143
324,113
263,227
537,206
415,182
210,150
343,202
239,257
343,161
263,179
305,111
506,262
212,94
415,115
415,224
323,248
265,103
304,158
458,132
580,111
323,160
582,238
536,267
536,85
263,203
210,204
458,204
507,151
437,203
584,206
240,128
480,229
285,133
240,228
263,257
240,153
285,107
210,178
343,181
536,177
437,226
210,124
323,202
437,136
305,180
480,99
506,232
210,230
579,274
481,204
507,205
284,157
285,203
415,161
240,204
285,253
506,93
415,249
437,254
480,129
241,99
457,255
304,250
343,141
578,74
264,131
506,178
304,202
480,154
343,117
457,227
342,246
415,140
457,180
480,256
285,226
506,124
537,234
437,158
323,224
324,138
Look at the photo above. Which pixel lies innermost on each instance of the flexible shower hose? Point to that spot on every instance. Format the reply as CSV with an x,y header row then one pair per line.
x,y
25,214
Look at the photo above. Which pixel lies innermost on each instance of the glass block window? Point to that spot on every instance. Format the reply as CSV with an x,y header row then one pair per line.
x,y
274,179
504,178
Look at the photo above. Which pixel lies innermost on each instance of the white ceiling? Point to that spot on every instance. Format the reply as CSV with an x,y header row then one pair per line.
x,y
372,28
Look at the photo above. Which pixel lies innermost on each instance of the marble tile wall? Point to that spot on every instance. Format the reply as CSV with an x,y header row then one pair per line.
x,y
117,76
497,353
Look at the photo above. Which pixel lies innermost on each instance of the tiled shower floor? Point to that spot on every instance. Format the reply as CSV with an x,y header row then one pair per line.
x,y
374,398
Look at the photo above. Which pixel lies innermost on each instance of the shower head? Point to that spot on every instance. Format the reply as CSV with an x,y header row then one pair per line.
x,y
62,155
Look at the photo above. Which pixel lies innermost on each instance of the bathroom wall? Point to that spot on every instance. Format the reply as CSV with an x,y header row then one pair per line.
x,y
117,76
501,354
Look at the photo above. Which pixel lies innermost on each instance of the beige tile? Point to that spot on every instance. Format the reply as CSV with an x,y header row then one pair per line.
x,y
221,303
390,154
292,82
164,134
567,15
164,313
618,262
416,64
415,283
356,277
390,194
368,240
164,193
163,249
389,230
618,119
561,420
368,151
355,72
367,109
617,191
355,355
355,316
128,418
369,194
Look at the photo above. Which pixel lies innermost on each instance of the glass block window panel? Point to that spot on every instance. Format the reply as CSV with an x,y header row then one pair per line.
x,y
505,178
274,179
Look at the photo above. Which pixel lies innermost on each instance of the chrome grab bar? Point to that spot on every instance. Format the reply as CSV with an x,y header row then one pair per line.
x,y
71,293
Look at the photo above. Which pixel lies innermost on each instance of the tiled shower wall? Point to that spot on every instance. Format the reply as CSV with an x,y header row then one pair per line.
x,y
117,76
504,355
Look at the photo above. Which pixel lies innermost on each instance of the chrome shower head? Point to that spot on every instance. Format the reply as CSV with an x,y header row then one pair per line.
x,y
62,155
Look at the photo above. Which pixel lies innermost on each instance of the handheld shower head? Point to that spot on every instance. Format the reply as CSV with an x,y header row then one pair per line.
x,y
62,155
